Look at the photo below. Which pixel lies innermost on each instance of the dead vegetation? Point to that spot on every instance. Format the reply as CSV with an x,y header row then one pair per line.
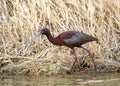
x,y
21,19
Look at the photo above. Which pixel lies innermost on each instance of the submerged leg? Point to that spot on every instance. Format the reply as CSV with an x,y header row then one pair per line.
x,y
75,60
91,56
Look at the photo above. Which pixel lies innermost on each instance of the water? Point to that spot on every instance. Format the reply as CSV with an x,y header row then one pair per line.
x,y
62,80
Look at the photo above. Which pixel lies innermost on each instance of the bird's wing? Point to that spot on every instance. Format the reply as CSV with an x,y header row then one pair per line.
x,y
66,35
78,39
74,40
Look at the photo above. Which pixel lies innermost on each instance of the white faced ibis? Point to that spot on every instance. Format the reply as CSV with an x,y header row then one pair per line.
x,y
69,39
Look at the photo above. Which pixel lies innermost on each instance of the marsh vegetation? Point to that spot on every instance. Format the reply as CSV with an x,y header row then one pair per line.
x,y
21,19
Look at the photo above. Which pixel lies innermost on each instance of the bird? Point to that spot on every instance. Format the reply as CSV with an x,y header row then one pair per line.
x,y
70,39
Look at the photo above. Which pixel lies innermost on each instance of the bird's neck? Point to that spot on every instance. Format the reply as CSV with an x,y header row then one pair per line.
x,y
52,39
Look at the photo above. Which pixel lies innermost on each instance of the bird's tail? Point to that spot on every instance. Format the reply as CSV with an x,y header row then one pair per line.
x,y
97,41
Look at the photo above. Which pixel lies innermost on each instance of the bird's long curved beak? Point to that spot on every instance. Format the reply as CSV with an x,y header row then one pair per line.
x,y
31,41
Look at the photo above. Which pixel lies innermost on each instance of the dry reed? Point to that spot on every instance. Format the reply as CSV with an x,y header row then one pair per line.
x,y
21,19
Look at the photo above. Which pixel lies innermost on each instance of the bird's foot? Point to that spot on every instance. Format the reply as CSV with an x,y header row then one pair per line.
x,y
68,72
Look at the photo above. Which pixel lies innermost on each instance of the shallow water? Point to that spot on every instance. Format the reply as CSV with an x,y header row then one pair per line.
x,y
62,80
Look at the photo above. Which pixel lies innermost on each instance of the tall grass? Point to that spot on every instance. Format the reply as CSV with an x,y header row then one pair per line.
x,y
21,19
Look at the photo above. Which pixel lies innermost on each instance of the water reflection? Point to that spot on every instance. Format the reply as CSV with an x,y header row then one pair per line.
x,y
62,80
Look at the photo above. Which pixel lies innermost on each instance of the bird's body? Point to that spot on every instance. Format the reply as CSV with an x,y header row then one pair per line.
x,y
70,39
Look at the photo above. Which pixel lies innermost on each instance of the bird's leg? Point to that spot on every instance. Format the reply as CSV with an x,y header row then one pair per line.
x,y
91,56
75,57
75,60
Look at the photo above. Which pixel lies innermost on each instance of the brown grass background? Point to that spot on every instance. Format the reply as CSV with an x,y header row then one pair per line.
x,y
21,19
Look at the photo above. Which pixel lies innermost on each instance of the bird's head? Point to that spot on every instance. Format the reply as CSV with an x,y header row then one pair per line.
x,y
44,31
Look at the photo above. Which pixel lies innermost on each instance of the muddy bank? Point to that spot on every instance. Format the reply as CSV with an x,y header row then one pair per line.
x,y
27,66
